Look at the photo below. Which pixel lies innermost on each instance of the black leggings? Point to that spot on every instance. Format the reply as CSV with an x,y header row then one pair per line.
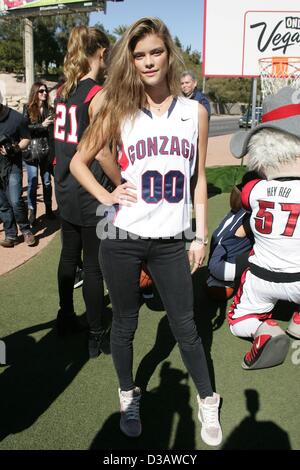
x,y
74,240
168,264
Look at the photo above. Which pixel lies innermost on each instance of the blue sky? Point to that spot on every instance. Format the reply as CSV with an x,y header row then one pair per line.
x,y
184,18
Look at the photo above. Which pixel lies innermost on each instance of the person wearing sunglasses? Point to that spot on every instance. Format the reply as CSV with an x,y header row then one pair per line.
x,y
39,116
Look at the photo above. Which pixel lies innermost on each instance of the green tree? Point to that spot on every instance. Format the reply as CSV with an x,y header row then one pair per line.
x,y
11,46
46,47
227,91
120,30
51,34
63,25
178,43
193,63
111,37
192,60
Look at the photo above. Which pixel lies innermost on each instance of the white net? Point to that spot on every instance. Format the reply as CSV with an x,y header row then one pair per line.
x,y
278,72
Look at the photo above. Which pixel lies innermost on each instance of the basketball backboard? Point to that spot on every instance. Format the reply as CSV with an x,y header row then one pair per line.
x,y
238,33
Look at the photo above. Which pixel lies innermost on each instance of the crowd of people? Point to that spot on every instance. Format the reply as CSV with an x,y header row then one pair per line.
x,y
137,147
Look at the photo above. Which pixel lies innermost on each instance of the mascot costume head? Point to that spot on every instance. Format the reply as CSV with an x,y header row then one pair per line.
x,y
273,147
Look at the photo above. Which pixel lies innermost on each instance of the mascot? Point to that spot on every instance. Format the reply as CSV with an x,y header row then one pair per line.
x,y
273,274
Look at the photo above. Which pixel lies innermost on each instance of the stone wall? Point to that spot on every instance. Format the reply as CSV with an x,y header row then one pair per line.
x,y
16,102
13,90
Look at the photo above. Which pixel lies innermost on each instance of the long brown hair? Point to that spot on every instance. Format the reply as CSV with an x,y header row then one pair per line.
x,y
124,90
83,43
33,102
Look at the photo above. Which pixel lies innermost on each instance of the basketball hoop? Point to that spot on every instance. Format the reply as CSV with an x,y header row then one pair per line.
x,y
278,72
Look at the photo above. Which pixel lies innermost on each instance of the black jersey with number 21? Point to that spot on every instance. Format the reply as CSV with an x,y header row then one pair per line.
x,y
71,119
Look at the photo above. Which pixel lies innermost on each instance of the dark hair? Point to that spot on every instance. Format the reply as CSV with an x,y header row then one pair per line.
x,y
33,102
235,200
249,176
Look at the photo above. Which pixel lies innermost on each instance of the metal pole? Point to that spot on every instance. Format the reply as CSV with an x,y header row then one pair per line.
x,y
203,84
254,93
29,61
252,99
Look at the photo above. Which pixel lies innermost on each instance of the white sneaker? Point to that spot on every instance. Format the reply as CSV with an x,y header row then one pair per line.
x,y
208,415
130,422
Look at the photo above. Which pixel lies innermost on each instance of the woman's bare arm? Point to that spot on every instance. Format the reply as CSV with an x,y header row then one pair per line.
x,y
79,167
198,249
107,161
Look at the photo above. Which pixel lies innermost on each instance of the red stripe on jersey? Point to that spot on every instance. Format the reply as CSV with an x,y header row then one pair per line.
x,y
123,159
93,91
246,193
58,91
282,113
237,298
237,301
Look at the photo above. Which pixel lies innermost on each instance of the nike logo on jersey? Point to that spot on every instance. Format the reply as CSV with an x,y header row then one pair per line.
x,y
185,119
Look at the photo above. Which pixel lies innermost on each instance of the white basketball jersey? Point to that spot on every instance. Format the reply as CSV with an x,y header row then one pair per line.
x,y
158,156
275,223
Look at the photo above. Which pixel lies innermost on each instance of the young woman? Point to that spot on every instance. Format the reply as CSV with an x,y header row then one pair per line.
x,y
161,138
74,106
39,116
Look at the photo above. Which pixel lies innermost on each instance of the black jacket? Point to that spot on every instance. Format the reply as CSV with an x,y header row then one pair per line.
x,y
11,124
37,130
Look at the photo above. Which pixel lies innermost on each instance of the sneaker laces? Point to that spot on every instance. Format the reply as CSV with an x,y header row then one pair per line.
x,y
210,412
130,405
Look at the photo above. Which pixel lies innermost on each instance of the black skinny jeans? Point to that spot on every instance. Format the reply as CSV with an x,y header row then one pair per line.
x,y
168,264
74,240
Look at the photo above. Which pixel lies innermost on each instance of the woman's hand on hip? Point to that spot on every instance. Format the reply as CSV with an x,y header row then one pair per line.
x,y
124,194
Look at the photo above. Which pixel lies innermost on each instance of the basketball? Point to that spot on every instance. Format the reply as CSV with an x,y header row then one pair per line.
x,y
145,278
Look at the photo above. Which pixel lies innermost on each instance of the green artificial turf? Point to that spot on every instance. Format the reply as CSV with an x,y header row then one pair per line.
x,y
222,179
53,397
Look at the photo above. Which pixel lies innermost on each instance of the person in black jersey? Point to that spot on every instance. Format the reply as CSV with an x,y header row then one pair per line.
x,y
74,107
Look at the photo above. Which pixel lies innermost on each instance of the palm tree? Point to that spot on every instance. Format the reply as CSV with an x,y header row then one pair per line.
x,y
120,30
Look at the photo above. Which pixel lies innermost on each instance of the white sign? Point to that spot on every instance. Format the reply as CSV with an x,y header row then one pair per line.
x,y
238,33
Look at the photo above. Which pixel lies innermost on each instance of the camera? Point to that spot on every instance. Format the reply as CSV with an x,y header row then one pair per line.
x,y
7,143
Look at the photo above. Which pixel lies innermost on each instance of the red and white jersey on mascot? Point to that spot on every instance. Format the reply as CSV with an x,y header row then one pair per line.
x,y
275,223
158,156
